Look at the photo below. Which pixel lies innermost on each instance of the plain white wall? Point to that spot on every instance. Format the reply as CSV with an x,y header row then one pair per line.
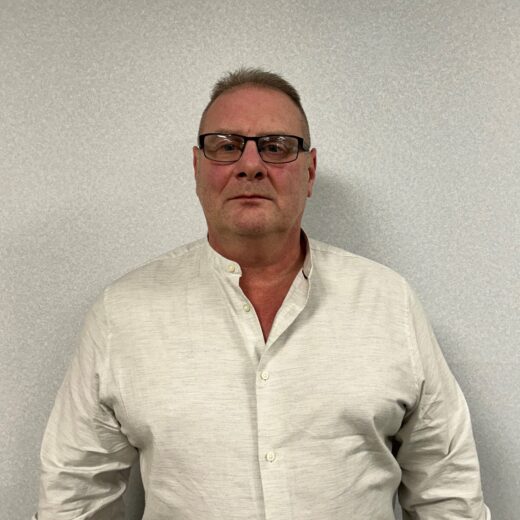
x,y
414,108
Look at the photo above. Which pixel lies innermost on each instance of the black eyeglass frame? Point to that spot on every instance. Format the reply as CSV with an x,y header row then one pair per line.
x,y
302,146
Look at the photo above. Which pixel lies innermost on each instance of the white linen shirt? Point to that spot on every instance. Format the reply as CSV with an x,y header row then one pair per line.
x,y
348,402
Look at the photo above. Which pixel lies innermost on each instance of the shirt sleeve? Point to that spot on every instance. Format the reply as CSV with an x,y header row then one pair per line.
x,y
435,446
85,458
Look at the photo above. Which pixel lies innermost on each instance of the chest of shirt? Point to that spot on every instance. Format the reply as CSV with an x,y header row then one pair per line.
x,y
189,371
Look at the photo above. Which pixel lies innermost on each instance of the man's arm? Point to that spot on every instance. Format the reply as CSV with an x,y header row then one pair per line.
x,y
437,454
85,458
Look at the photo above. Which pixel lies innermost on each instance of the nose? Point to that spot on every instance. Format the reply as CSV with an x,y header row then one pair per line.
x,y
250,164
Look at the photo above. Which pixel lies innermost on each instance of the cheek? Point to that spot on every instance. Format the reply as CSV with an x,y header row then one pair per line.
x,y
211,183
296,186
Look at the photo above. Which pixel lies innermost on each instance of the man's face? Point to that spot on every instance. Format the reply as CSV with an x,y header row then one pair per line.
x,y
251,197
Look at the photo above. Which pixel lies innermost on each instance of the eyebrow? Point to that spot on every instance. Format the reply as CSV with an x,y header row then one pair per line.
x,y
258,134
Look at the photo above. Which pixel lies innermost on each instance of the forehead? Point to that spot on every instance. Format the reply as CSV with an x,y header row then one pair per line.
x,y
253,110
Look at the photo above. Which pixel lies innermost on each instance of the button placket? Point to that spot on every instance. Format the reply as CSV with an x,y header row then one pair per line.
x,y
273,468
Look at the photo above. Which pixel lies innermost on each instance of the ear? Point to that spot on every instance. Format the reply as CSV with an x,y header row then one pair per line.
x,y
196,151
312,162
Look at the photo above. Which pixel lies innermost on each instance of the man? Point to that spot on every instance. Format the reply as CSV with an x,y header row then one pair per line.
x,y
259,374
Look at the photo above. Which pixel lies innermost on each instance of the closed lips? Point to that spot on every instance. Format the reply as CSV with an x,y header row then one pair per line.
x,y
250,196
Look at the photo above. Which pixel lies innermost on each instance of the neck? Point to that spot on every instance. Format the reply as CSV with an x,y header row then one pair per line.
x,y
263,257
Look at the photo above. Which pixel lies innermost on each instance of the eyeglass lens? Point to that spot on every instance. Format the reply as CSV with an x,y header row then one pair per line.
x,y
272,148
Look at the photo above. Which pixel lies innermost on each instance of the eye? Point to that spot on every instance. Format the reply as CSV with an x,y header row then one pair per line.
x,y
227,146
223,147
273,147
276,145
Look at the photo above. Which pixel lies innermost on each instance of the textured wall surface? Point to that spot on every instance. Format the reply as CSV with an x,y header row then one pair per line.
x,y
414,108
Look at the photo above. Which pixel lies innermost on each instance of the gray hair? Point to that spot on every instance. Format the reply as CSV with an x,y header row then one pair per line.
x,y
261,78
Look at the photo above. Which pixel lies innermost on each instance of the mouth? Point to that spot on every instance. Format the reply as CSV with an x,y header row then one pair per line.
x,y
251,196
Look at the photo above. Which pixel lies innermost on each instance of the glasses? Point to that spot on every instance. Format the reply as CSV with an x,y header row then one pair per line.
x,y
228,148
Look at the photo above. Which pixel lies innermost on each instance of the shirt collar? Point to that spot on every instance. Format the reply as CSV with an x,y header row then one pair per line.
x,y
227,267
307,263
222,265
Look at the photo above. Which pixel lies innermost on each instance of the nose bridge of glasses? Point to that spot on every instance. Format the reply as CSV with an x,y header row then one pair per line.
x,y
250,163
254,145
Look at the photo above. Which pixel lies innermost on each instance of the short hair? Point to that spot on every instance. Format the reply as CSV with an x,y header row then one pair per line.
x,y
262,78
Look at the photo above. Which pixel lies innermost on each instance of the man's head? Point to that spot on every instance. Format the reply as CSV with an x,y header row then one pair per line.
x,y
257,192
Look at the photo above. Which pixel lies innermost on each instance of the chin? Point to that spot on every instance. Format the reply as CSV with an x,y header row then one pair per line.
x,y
253,227
251,230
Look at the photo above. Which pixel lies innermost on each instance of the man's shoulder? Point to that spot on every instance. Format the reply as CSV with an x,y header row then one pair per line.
x,y
169,269
337,263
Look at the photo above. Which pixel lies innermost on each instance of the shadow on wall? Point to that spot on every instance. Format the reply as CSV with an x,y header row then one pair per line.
x,y
337,213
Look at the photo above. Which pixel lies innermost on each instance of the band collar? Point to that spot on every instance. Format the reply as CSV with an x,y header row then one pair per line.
x,y
225,266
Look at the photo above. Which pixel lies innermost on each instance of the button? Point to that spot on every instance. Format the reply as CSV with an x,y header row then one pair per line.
x,y
247,307
231,268
265,375
270,456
